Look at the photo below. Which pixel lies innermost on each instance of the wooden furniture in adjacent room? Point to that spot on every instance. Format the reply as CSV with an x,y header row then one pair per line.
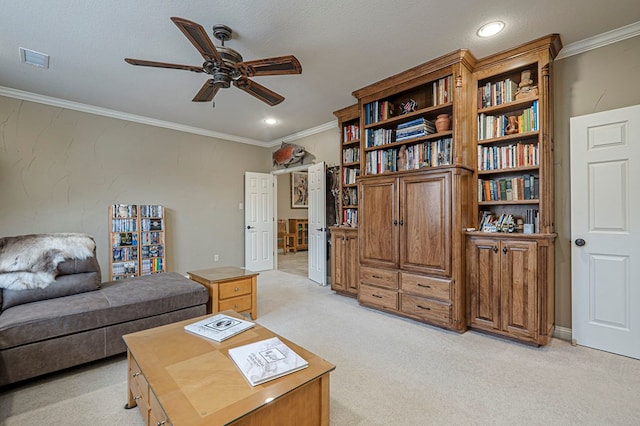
x,y
286,240
137,240
300,228
177,378
414,194
345,268
349,125
511,274
229,288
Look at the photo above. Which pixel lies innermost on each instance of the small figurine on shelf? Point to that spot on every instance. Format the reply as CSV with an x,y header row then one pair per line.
x,y
408,106
526,88
512,125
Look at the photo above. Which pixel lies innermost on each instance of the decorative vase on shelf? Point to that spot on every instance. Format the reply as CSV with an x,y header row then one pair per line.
x,y
443,123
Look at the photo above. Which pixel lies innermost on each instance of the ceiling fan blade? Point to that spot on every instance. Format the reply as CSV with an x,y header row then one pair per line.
x,y
198,37
207,92
272,66
145,63
251,87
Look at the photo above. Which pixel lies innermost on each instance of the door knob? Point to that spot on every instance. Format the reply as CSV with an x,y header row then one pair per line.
x,y
250,227
580,242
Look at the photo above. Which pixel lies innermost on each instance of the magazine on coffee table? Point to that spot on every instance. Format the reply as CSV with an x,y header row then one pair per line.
x,y
266,360
218,327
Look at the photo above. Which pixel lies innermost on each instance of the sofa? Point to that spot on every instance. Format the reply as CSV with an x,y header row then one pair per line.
x,y
78,319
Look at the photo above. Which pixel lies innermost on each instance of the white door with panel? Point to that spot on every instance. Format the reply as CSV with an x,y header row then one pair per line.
x,y
317,224
258,221
605,230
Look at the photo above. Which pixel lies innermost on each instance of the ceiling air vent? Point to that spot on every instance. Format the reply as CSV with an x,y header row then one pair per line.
x,y
34,58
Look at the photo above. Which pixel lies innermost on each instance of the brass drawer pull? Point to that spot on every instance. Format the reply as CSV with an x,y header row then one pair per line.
x,y
376,276
375,295
136,398
236,289
424,307
161,422
136,374
424,285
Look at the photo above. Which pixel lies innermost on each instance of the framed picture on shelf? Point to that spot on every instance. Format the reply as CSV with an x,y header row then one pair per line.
x,y
299,190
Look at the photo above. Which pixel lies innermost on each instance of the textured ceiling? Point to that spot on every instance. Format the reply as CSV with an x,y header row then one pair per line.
x,y
342,46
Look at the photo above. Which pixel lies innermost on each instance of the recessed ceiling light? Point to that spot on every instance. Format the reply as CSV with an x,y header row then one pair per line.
x,y
490,29
270,121
34,58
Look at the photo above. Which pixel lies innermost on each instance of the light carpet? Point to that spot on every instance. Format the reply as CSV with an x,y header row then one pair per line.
x,y
390,371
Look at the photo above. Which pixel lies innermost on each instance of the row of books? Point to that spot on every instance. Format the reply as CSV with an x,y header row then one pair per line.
x,y
350,155
525,187
124,253
349,175
151,224
124,210
498,93
426,154
151,211
125,268
508,156
414,129
350,132
377,111
123,225
350,217
442,90
507,222
124,239
152,251
151,265
152,238
494,126
350,196
379,137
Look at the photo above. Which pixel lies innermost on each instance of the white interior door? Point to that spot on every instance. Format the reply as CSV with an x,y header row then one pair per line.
x,y
605,216
317,224
258,221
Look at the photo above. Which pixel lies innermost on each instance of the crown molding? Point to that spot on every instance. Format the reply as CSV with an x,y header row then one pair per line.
x,y
613,36
62,103
305,133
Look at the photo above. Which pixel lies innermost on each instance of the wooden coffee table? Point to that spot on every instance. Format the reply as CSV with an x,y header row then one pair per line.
x,y
177,378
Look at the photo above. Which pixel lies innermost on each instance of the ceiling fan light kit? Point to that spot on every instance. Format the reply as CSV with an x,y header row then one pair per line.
x,y
225,65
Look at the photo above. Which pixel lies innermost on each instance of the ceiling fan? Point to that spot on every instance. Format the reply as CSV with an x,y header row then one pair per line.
x,y
226,66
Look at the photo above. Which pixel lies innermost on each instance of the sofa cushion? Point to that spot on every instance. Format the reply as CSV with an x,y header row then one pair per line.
x,y
115,302
74,276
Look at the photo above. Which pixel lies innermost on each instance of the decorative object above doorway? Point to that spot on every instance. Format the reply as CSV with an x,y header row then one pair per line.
x,y
299,190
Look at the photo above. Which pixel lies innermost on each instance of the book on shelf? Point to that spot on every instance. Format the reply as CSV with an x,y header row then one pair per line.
x,y
219,327
266,360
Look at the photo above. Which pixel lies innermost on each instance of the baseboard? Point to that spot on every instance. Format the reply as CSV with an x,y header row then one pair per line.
x,y
562,333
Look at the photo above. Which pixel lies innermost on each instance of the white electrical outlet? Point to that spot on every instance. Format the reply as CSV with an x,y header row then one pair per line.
x,y
216,257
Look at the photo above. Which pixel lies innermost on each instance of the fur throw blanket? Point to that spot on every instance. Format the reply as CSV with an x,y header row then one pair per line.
x,y
31,261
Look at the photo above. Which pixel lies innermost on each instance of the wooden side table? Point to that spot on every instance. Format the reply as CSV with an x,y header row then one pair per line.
x,y
229,288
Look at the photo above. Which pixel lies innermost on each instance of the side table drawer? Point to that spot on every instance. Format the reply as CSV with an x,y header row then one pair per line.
x,y
383,298
238,304
140,381
157,416
234,288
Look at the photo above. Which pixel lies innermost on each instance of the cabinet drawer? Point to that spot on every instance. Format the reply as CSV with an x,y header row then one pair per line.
x,y
426,286
157,416
383,298
379,277
427,309
238,304
234,288
140,381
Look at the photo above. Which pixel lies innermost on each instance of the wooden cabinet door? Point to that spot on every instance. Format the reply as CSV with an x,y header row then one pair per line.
x,y
351,262
483,281
378,222
519,288
425,223
337,261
